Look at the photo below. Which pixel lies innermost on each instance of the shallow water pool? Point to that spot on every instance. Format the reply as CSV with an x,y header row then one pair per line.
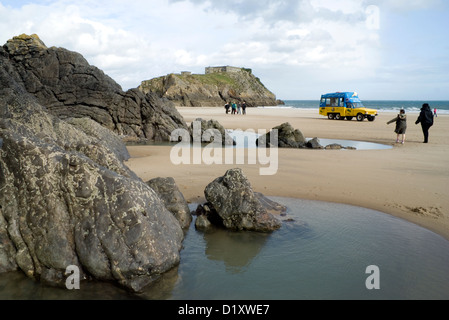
x,y
323,254
322,251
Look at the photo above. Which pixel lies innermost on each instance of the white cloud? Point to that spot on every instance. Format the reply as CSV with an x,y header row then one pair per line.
x,y
148,40
408,5
138,40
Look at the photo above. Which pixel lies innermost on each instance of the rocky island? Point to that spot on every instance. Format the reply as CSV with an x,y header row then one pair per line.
x,y
213,89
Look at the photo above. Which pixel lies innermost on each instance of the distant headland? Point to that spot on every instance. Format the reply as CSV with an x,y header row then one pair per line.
x,y
214,88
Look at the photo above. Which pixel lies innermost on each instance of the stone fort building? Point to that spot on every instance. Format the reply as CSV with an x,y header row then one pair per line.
x,y
229,69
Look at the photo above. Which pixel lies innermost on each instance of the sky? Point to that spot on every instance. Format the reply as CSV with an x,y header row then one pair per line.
x,y
300,49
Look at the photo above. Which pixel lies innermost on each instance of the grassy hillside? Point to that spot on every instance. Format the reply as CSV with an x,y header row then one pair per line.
x,y
212,88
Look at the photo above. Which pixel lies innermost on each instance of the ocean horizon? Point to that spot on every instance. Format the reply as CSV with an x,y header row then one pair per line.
x,y
393,106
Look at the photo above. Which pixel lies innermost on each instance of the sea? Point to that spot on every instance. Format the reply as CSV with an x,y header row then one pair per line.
x,y
392,106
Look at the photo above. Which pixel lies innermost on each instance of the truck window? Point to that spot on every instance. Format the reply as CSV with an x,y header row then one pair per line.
x,y
334,102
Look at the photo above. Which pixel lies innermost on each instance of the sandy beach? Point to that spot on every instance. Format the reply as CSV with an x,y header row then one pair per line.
x,y
408,181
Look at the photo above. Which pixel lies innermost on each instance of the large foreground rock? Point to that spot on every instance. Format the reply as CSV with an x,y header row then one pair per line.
x,y
68,86
173,199
67,199
236,204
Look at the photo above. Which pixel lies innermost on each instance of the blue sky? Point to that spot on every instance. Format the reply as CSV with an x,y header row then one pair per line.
x,y
383,49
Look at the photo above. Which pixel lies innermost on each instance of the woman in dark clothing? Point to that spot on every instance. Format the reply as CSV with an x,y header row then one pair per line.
x,y
401,125
426,120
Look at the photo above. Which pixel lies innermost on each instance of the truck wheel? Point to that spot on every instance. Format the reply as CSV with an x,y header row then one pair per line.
x,y
360,117
349,118
330,116
371,118
337,116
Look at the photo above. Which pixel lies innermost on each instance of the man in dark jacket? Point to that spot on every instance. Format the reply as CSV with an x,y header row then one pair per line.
x,y
426,120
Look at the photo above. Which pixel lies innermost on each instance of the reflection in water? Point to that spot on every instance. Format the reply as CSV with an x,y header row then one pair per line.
x,y
163,287
235,249
17,286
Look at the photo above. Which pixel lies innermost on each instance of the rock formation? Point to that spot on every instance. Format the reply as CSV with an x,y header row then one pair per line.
x,y
65,83
288,137
201,131
233,203
66,197
211,90
334,146
270,205
173,199
314,144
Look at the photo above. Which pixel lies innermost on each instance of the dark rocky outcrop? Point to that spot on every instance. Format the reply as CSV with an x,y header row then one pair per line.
x,y
334,146
205,213
314,144
211,90
200,127
65,83
280,102
67,198
337,146
288,137
207,216
270,205
233,204
173,199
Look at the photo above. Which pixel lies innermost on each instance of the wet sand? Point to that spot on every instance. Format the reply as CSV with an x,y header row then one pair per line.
x,y
409,181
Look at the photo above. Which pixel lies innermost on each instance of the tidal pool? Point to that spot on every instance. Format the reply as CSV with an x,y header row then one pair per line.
x,y
247,139
322,251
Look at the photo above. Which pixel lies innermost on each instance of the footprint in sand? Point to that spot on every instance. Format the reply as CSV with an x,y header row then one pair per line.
x,y
431,212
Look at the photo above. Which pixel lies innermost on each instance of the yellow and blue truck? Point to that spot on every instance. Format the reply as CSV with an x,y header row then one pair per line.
x,y
345,105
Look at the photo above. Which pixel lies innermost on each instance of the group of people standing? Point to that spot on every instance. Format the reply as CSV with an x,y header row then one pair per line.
x,y
425,118
236,108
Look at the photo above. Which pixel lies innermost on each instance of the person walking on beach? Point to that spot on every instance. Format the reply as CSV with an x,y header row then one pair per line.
x,y
244,107
426,120
239,108
435,112
234,108
401,125
227,108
